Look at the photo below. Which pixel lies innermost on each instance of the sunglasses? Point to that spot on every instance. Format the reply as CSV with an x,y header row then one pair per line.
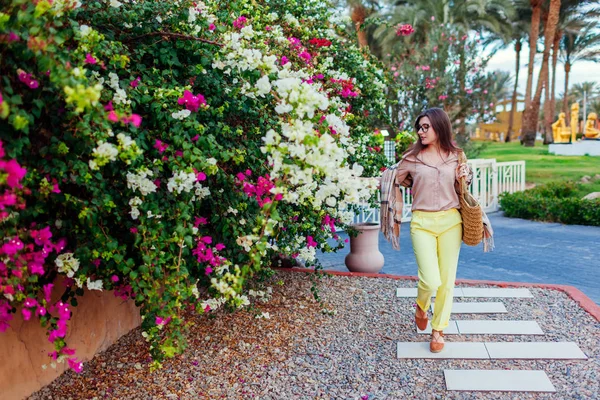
x,y
424,128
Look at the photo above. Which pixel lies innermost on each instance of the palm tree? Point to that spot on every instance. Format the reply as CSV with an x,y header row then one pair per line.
x,y
359,11
578,45
531,113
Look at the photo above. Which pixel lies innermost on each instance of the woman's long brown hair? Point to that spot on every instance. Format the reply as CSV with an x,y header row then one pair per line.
x,y
440,122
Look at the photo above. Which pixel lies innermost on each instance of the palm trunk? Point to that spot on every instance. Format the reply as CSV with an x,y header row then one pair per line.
x,y
513,104
359,13
547,110
566,98
555,51
531,114
536,6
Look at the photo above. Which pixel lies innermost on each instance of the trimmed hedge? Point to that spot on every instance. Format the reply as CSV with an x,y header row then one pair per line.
x,y
553,202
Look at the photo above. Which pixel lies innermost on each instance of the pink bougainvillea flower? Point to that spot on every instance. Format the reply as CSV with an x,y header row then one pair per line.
x,y
310,242
404,30
26,314
442,97
240,176
195,138
28,80
135,119
192,102
47,289
219,246
134,83
160,146
114,279
109,106
212,27
206,239
30,302
305,55
162,321
41,237
469,91
200,176
112,116
240,22
284,60
67,351
133,230
15,173
208,270
75,365
425,67
13,37
89,59
11,247
41,311
200,221
1,150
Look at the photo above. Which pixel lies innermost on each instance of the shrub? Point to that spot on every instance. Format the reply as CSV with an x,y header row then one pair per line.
x,y
174,148
553,202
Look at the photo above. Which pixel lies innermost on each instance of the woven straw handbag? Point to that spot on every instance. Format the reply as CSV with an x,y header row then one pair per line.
x,y
471,213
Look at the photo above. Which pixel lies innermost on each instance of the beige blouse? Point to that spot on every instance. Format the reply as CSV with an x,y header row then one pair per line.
x,y
433,186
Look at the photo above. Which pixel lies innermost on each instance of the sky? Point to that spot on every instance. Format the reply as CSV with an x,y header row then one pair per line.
x,y
580,72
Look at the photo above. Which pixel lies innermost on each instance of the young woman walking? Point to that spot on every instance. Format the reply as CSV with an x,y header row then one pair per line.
x,y
432,168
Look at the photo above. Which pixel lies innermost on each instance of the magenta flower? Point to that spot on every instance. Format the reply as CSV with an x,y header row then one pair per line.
x,y
41,237
305,55
208,270
219,246
206,239
240,22
29,302
75,365
11,247
13,37
48,291
195,138
113,117
200,176
425,67
435,49
109,106
133,230
310,242
135,120
26,314
212,27
15,173
284,60
1,150
28,80
89,59
200,221
192,103
114,279
160,146
404,30
41,311
134,83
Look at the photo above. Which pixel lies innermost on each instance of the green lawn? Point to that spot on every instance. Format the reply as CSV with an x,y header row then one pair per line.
x,y
542,167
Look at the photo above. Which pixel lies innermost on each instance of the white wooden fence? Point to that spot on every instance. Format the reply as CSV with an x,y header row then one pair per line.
x,y
490,179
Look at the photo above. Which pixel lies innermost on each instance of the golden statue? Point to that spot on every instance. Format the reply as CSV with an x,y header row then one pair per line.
x,y
560,131
574,121
590,131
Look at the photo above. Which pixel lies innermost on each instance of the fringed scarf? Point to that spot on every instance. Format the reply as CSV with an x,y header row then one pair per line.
x,y
391,206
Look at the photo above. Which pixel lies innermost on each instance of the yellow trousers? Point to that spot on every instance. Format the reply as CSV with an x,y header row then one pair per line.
x,y
436,238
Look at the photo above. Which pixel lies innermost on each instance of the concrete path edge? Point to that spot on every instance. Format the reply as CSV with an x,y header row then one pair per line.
x,y
577,295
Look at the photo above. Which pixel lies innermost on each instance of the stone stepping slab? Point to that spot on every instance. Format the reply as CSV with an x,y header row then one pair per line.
x,y
475,292
483,327
535,350
478,380
477,308
494,350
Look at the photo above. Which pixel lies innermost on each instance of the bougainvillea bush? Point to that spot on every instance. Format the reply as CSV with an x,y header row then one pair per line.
x,y
169,150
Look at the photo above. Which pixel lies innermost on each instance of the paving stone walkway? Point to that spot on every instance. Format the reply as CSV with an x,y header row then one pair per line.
x,y
486,380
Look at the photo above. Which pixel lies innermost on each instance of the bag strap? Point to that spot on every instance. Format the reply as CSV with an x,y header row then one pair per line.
x,y
462,159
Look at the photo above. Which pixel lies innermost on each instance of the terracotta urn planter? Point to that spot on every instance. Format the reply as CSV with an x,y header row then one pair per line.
x,y
364,249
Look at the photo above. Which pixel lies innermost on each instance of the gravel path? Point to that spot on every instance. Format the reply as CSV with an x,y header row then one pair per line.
x,y
302,352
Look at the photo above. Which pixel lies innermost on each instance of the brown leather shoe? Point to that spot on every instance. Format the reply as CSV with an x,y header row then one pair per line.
x,y
435,346
421,318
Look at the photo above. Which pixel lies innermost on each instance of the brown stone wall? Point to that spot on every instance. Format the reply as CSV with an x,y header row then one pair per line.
x,y
98,321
